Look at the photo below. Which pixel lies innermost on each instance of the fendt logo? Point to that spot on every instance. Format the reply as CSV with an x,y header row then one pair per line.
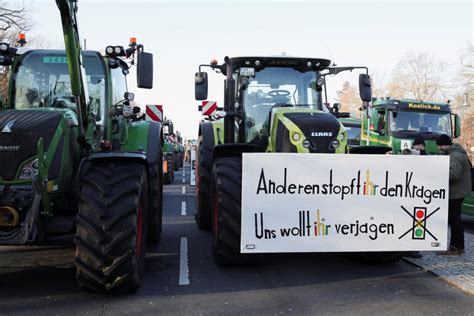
x,y
321,134
8,127
9,148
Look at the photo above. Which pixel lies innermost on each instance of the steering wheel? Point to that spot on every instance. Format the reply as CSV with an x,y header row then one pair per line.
x,y
59,103
279,93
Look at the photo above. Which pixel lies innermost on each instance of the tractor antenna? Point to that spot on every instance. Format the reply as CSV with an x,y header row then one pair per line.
x,y
330,55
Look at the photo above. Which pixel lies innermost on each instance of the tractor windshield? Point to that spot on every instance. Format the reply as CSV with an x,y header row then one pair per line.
x,y
273,87
42,80
353,134
405,123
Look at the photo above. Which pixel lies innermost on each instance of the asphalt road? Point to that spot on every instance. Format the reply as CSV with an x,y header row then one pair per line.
x,y
41,280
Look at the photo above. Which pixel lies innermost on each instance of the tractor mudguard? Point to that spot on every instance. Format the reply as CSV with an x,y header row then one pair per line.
x,y
154,142
208,142
112,155
207,132
232,150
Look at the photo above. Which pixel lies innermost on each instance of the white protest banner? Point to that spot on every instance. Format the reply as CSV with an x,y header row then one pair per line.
x,y
343,203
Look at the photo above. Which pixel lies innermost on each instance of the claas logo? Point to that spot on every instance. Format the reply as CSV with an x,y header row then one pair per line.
x,y
419,222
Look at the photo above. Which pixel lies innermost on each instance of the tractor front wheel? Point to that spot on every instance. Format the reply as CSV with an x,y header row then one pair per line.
x,y
155,202
226,212
112,227
203,187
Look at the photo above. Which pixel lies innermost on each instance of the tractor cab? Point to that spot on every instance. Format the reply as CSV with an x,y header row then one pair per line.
x,y
276,104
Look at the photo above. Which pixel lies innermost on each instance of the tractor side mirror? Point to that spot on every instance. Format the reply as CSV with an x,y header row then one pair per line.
x,y
6,60
145,70
365,87
457,126
200,86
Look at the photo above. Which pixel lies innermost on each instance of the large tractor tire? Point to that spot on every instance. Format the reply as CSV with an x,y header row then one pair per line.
x,y
169,176
176,161
112,227
203,186
226,212
155,203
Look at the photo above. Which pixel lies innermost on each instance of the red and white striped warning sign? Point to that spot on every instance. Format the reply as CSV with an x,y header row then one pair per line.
x,y
154,112
209,107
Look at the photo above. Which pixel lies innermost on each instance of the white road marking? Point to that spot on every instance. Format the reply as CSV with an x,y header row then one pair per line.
x,y
468,205
184,190
183,262
184,180
183,208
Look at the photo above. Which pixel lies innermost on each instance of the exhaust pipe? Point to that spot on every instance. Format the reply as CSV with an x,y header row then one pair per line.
x,y
9,217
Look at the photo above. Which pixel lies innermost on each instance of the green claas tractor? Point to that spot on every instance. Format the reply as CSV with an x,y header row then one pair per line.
x,y
73,165
168,152
272,104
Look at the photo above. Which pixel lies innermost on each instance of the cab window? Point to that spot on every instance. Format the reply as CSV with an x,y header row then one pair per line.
x,y
119,84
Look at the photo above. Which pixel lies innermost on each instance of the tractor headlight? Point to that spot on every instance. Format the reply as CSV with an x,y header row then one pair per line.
x,y
296,137
4,47
335,143
29,170
341,137
109,50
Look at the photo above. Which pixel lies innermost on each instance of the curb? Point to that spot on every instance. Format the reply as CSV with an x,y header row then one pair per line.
x,y
445,278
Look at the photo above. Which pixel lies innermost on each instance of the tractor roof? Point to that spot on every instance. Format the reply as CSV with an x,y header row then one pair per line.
x,y
415,105
23,50
299,63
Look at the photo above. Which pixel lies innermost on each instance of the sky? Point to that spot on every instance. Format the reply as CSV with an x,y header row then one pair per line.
x,y
184,34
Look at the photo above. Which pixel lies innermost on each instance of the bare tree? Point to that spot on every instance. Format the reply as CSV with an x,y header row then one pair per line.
x,y
464,82
419,76
348,97
13,20
12,17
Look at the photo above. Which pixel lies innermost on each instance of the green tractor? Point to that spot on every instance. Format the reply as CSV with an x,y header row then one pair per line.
x,y
178,151
74,165
168,152
272,104
396,123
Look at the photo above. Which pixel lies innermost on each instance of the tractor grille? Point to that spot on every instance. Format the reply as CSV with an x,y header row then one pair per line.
x,y
21,143
319,128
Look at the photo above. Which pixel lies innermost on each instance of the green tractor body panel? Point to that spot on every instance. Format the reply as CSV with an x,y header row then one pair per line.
x,y
468,206
136,138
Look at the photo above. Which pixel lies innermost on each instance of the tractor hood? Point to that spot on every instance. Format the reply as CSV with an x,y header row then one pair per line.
x,y
308,130
20,131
